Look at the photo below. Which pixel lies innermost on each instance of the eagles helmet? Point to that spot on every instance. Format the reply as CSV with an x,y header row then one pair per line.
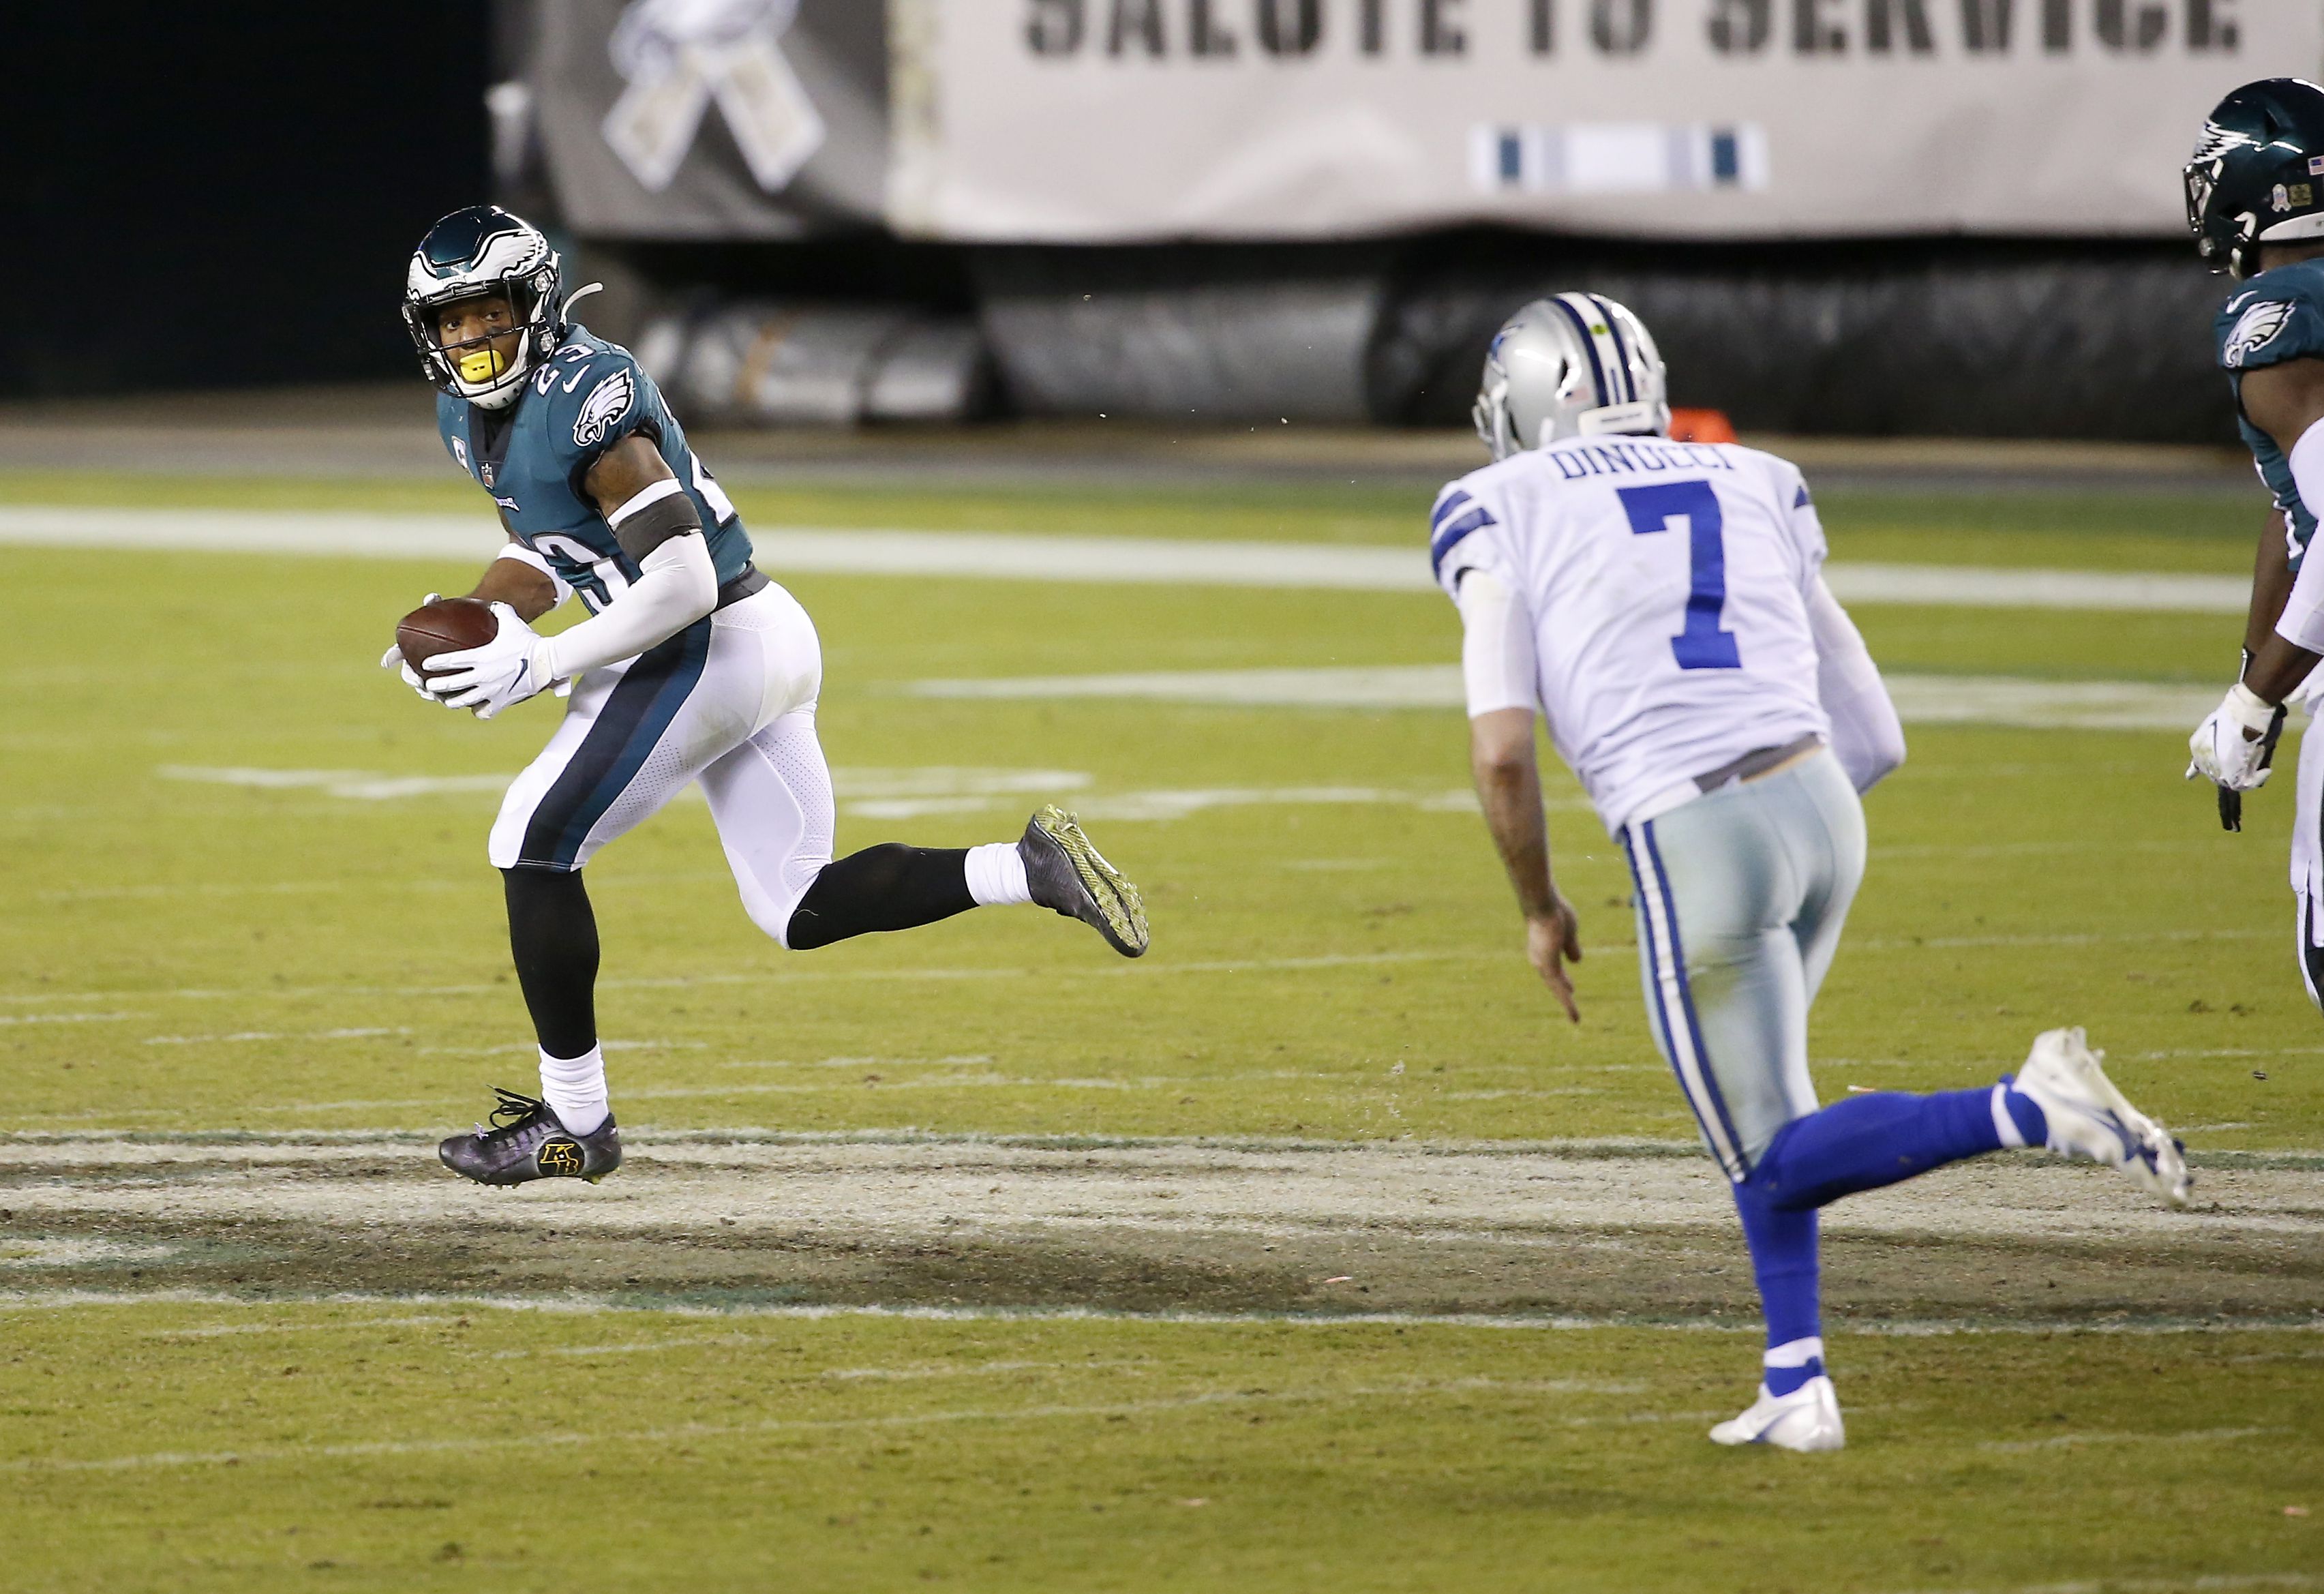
x,y
1578,365
468,254
2257,174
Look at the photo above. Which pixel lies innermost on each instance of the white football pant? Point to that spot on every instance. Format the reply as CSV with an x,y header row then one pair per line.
x,y
2307,862
730,702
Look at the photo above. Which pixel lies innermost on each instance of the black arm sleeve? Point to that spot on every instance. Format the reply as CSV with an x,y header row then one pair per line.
x,y
671,515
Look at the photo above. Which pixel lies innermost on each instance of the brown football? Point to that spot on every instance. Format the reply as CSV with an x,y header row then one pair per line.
x,y
448,625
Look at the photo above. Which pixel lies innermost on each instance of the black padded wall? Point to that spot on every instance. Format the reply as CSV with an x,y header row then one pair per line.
x,y
211,196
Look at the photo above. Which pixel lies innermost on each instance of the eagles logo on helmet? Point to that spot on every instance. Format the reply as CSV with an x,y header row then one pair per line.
x,y
2251,179
468,254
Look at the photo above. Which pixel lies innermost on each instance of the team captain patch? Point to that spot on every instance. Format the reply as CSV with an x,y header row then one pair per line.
x,y
2253,333
607,403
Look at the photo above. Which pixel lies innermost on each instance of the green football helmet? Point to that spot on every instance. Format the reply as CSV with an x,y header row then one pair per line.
x,y
485,250
2257,174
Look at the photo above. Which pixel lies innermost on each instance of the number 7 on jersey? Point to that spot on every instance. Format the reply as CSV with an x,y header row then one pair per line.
x,y
1671,506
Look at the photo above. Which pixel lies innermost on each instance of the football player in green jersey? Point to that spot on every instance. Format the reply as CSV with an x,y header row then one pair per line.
x,y
2255,203
692,666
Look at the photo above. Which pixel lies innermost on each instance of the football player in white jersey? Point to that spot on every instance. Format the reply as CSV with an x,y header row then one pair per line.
x,y
1663,604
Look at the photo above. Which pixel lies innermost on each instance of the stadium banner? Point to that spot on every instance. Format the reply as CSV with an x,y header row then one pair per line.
x,y
712,119
1101,121
1096,121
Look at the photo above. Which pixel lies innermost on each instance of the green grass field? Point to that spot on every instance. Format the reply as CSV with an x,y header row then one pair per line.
x,y
218,922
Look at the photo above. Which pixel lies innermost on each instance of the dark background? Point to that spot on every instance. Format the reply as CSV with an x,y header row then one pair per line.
x,y
217,195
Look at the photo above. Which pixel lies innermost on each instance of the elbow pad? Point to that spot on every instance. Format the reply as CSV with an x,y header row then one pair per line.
x,y
653,517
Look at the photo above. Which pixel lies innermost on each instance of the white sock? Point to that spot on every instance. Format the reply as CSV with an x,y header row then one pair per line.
x,y
1793,1352
2004,1124
1791,1366
996,875
575,1090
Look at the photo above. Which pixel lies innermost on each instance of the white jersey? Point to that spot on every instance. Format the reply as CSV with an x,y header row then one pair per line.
x,y
1667,587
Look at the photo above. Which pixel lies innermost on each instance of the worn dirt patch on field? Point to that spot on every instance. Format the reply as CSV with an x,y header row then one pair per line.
x,y
1528,1230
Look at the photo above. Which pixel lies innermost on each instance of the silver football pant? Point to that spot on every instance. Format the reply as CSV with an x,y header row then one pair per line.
x,y
1742,894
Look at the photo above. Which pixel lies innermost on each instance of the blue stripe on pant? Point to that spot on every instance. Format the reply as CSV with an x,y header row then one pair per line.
x,y
1671,1003
1742,894
651,691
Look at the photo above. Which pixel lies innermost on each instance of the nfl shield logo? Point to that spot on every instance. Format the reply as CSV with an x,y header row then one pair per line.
x,y
485,471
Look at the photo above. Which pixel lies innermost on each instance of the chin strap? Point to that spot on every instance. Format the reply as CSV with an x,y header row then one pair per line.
x,y
564,310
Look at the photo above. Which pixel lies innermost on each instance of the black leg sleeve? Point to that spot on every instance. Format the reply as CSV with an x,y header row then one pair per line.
x,y
890,887
553,932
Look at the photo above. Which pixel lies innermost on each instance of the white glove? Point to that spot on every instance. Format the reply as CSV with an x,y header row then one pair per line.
x,y
2231,748
487,679
394,659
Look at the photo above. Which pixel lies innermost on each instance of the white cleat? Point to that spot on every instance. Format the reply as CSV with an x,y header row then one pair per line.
x,y
1807,1419
2089,1117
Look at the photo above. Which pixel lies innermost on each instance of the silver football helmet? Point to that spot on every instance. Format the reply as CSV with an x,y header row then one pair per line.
x,y
1578,365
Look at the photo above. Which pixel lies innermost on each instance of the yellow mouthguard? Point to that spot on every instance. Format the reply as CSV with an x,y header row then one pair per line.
x,y
481,366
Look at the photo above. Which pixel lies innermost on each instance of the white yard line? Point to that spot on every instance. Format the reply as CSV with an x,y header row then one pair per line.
x,y
940,791
1921,699
1973,587
1114,560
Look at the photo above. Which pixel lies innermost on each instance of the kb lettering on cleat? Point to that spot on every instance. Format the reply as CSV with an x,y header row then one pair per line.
x,y
558,1157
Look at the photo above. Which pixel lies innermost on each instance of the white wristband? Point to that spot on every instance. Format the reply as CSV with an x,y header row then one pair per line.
x,y
2248,709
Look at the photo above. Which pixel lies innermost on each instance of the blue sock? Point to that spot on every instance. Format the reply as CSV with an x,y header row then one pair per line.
x,y
1783,1242
1865,1142
1861,1143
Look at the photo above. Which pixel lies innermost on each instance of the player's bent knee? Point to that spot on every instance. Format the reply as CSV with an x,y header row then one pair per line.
x,y
505,847
773,914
